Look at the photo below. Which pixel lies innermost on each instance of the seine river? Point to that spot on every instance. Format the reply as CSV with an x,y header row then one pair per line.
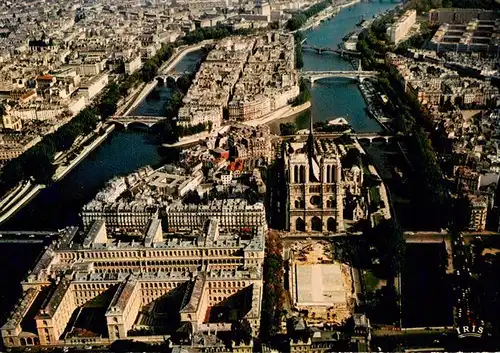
x,y
125,151
338,97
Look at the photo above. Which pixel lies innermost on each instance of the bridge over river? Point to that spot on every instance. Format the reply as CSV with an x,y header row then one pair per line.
x,y
368,136
148,121
312,76
327,50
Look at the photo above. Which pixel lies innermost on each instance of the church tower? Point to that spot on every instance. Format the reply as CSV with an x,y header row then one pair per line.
x,y
314,186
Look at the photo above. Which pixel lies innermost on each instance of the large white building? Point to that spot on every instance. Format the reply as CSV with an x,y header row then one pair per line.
x,y
133,64
93,86
399,29
200,278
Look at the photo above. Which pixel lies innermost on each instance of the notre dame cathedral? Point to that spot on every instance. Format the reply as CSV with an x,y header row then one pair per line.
x,y
314,178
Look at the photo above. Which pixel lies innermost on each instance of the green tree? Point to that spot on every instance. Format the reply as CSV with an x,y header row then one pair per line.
x,y
149,70
304,95
272,303
171,82
388,238
288,129
172,106
351,158
183,83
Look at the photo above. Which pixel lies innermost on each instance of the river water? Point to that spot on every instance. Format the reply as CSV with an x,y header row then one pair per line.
x,y
122,153
332,98
154,103
126,151
337,97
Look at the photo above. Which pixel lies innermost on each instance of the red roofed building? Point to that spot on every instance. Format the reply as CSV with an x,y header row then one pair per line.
x,y
236,167
45,81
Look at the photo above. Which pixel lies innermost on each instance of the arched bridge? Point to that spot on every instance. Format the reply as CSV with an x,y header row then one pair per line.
x,y
327,50
374,137
144,120
367,136
164,77
318,75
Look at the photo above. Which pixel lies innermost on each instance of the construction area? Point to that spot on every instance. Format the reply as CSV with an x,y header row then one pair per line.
x,y
320,287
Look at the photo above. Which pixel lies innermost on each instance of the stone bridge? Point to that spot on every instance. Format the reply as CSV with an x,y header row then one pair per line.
x,y
327,50
164,77
368,136
312,76
374,137
125,121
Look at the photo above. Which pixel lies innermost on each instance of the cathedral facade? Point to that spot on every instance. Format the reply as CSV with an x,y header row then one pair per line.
x,y
314,185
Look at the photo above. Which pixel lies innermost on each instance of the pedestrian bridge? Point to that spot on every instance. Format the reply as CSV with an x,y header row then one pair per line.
x,y
312,76
125,121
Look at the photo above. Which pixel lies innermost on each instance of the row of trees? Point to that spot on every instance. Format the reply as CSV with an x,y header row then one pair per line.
x,y
430,195
193,129
168,128
217,32
389,240
299,60
36,163
425,5
304,95
150,67
287,129
300,18
274,293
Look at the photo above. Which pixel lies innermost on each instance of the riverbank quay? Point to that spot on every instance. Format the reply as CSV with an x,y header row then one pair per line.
x,y
68,160
109,162
85,149
369,93
21,195
281,113
329,12
163,70
430,197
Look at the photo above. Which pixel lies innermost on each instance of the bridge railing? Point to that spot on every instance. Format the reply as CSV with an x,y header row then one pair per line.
x,y
145,118
318,73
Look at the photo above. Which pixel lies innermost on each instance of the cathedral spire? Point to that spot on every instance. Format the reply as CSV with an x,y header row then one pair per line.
x,y
311,131
314,169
